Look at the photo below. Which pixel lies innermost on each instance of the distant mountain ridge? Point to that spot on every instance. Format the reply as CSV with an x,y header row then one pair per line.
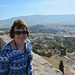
x,y
41,19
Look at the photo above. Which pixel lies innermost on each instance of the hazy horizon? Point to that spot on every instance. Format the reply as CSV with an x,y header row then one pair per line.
x,y
38,15
15,8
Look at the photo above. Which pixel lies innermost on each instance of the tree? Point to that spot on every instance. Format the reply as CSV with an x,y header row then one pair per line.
x,y
35,51
61,66
49,54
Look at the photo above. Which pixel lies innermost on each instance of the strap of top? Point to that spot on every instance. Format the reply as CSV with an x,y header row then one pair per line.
x,y
29,57
15,45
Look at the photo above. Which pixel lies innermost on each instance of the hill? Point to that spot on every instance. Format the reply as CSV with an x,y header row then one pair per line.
x,y
43,29
40,19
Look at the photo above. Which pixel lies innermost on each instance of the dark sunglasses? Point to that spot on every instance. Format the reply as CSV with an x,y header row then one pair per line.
x,y
19,32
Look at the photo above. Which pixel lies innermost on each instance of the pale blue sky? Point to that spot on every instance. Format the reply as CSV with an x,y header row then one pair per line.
x,y
14,8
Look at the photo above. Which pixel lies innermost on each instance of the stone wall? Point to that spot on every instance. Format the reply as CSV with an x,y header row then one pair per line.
x,y
2,43
3,40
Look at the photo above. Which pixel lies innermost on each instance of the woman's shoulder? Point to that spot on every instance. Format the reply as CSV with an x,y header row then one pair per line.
x,y
28,41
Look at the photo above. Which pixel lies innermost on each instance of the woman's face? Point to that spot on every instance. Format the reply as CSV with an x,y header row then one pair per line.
x,y
20,35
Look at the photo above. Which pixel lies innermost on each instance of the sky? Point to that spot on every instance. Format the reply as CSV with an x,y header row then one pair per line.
x,y
15,8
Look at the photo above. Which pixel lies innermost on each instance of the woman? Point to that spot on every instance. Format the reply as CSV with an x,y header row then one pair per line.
x,y
14,55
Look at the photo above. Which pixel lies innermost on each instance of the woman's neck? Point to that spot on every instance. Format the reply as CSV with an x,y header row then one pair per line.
x,y
19,43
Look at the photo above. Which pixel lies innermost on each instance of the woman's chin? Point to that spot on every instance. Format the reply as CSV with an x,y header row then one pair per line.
x,y
22,40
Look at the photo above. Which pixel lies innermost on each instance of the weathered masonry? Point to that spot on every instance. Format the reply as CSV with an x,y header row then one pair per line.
x,y
3,40
2,43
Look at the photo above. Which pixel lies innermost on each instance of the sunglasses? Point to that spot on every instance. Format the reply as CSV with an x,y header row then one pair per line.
x,y
19,32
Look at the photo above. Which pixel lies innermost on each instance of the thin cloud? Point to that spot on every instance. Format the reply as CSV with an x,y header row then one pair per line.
x,y
55,1
3,6
45,3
